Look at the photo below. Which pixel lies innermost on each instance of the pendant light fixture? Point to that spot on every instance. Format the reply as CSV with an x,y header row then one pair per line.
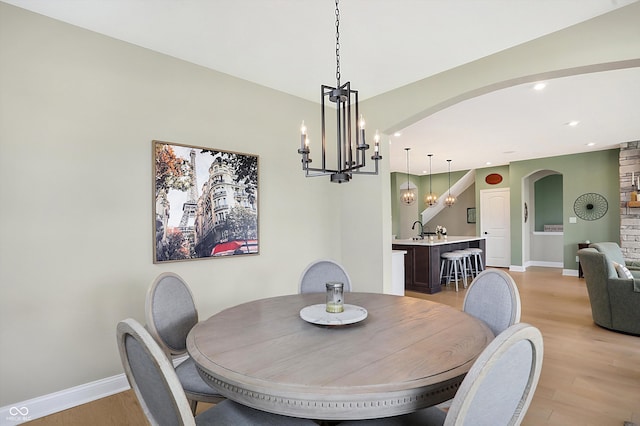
x,y
430,199
450,200
350,157
407,196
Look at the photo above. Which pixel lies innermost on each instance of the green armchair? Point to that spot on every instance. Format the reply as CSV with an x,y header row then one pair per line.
x,y
615,302
614,254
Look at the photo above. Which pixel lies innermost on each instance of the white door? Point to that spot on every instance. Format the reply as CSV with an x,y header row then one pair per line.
x,y
495,226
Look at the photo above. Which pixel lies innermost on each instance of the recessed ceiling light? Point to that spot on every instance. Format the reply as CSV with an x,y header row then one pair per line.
x,y
396,134
573,123
488,163
539,86
591,144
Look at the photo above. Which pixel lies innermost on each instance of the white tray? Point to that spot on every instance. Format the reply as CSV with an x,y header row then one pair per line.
x,y
317,314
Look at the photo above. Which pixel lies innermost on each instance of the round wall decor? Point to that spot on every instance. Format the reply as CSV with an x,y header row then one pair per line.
x,y
590,206
493,179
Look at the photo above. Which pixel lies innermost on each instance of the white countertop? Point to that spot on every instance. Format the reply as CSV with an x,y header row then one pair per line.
x,y
436,242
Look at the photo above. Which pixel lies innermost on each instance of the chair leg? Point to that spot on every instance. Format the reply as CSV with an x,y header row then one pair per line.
x,y
464,271
475,265
455,272
193,404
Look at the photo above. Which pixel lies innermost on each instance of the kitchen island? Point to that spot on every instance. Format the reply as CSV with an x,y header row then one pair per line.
x,y
422,261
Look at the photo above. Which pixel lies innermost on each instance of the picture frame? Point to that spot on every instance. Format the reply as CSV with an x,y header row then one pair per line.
x,y
205,202
471,215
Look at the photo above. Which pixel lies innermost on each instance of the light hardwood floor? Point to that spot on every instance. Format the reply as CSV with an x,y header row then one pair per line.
x,y
590,376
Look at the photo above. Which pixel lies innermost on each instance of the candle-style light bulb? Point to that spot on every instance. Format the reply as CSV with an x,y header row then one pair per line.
x,y
303,137
376,139
361,124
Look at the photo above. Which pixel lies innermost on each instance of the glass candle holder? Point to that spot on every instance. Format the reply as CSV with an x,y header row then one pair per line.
x,y
335,300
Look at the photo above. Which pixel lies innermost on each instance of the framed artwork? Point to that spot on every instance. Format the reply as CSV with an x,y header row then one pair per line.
x,y
205,203
471,215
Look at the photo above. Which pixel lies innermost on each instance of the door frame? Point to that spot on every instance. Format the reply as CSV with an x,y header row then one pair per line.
x,y
507,226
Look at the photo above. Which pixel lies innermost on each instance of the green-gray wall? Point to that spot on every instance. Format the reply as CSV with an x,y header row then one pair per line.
x,y
548,202
581,173
578,174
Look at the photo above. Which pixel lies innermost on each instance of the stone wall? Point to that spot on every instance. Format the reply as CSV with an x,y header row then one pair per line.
x,y
629,217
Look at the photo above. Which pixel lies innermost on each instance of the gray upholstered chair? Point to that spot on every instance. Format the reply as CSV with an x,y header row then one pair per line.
x,y
614,254
493,297
615,301
170,314
497,390
318,273
154,381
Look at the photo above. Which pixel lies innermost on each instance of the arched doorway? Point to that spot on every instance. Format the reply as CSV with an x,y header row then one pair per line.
x,y
542,222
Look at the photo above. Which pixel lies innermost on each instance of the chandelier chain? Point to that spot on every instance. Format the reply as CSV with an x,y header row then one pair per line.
x,y
350,151
337,44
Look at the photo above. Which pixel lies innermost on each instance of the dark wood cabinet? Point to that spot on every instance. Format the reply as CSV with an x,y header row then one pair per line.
x,y
422,263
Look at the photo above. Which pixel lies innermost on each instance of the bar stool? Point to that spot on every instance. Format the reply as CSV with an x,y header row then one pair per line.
x,y
466,263
452,262
476,254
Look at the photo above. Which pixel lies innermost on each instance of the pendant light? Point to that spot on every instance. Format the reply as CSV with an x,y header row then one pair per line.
x,y
450,200
407,196
430,199
350,151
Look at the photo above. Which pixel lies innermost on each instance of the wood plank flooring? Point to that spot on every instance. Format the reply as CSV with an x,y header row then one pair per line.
x,y
590,376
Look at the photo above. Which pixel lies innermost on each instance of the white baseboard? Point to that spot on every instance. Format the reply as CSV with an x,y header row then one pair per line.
x,y
68,398
545,264
517,268
570,272
45,405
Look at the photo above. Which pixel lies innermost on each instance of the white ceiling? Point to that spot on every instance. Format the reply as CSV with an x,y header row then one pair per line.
x,y
520,123
289,45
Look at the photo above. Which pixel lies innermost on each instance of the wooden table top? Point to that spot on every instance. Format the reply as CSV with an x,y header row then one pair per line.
x,y
407,354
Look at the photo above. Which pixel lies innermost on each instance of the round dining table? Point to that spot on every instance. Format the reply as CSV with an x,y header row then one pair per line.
x,y
396,355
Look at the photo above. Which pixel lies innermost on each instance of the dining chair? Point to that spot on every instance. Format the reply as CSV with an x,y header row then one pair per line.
x,y
159,391
493,297
170,314
319,272
497,390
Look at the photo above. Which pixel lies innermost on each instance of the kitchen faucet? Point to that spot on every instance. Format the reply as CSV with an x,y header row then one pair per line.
x,y
414,227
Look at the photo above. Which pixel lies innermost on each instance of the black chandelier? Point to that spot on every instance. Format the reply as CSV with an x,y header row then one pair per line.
x,y
350,156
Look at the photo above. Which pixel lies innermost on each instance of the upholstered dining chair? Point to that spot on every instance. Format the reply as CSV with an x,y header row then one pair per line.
x,y
318,273
170,314
158,389
497,390
493,297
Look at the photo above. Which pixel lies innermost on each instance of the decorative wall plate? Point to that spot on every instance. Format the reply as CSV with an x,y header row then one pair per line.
x,y
590,206
493,179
